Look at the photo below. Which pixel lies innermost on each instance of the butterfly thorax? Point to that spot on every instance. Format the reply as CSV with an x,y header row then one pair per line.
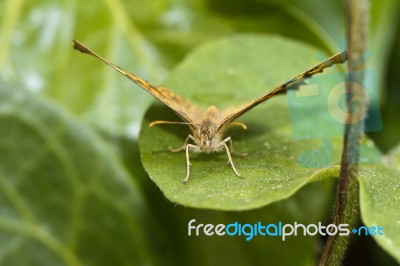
x,y
206,133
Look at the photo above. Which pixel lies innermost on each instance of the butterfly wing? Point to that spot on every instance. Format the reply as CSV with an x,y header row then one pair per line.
x,y
182,107
282,89
179,105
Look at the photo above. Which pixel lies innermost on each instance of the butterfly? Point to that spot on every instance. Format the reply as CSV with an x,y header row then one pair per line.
x,y
208,126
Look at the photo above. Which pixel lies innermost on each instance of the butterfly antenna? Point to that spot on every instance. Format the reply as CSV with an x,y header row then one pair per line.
x,y
159,122
240,124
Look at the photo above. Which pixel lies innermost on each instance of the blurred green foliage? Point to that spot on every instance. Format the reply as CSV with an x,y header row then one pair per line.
x,y
72,187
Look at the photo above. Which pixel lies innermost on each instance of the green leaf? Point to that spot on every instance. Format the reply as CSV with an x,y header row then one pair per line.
x,y
380,201
228,72
64,198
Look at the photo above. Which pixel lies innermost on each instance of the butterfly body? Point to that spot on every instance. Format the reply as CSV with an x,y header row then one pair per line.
x,y
206,134
207,126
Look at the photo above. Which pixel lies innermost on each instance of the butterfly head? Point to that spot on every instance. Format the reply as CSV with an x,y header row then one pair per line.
x,y
207,137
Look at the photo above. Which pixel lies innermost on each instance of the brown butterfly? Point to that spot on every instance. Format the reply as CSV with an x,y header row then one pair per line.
x,y
208,125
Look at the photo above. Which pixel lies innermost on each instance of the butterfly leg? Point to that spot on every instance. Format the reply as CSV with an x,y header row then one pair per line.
x,y
188,164
223,143
189,137
233,152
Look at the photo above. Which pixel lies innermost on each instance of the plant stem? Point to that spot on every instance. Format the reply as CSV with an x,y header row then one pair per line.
x,y
347,198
